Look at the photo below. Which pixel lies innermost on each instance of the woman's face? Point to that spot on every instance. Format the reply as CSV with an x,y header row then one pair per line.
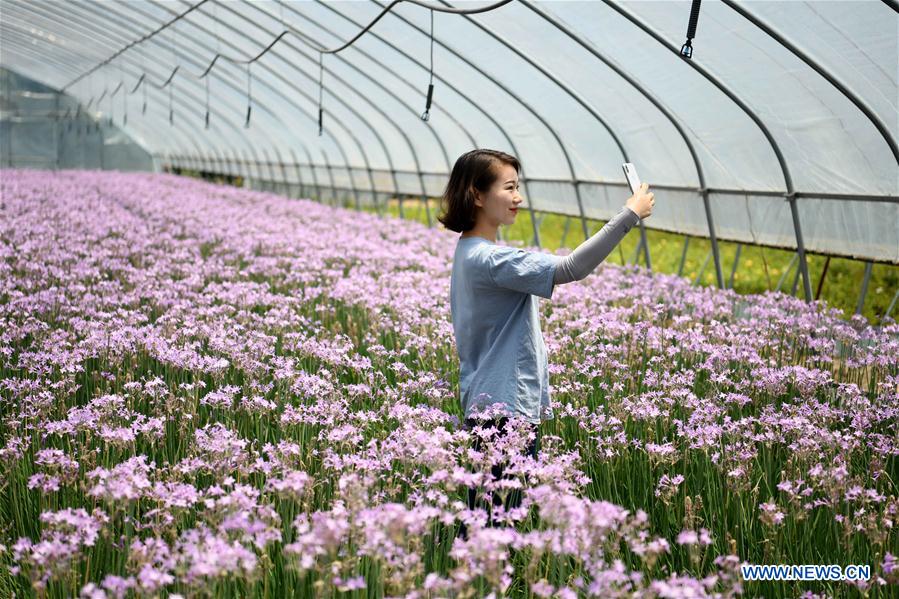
x,y
499,205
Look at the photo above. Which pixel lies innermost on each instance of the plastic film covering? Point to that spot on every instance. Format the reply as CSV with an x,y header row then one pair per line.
x,y
573,88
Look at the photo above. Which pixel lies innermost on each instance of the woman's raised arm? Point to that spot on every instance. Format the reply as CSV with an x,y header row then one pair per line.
x,y
587,256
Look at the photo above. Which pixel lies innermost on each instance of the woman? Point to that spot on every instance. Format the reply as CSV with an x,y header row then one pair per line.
x,y
495,316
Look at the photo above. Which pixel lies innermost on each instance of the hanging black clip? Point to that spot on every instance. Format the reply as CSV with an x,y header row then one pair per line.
x,y
247,123
426,115
320,111
207,103
687,49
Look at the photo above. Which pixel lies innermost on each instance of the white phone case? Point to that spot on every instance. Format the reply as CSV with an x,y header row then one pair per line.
x,y
630,173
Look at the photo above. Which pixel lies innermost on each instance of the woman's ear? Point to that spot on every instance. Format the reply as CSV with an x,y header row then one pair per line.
x,y
477,198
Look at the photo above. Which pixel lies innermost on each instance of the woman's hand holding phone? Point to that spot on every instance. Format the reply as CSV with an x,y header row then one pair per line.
x,y
642,201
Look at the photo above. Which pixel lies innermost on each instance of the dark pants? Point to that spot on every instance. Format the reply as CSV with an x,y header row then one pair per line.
x,y
513,499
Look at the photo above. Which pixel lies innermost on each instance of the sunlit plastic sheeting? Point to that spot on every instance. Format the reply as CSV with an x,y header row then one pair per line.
x,y
81,42
386,82
603,201
396,122
549,196
121,154
852,228
827,142
858,229
384,181
487,101
292,74
435,184
510,80
360,178
408,183
341,177
195,44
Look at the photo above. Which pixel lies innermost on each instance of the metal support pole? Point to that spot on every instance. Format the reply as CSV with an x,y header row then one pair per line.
x,y
644,243
683,256
702,268
861,298
786,271
821,281
800,245
580,208
634,259
733,269
565,230
428,211
716,252
890,307
57,128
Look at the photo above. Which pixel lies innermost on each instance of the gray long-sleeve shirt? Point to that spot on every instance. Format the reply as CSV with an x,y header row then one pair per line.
x,y
496,320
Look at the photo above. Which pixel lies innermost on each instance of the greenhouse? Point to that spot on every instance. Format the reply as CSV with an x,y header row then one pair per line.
x,y
525,298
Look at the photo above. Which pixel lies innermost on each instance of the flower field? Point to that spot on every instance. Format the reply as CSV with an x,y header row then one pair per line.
x,y
207,391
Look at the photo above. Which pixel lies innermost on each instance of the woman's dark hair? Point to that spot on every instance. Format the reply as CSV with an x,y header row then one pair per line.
x,y
474,170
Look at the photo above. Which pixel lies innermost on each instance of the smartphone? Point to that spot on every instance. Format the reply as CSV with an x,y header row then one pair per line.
x,y
630,173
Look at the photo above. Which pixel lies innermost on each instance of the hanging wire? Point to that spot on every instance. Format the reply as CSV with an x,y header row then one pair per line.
x,y
321,75
124,99
143,110
322,51
171,81
426,115
207,102
111,105
249,97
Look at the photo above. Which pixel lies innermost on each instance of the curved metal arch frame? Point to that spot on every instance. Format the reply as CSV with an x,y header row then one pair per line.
x,y
66,65
477,107
337,142
287,83
586,106
363,120
859,103
185,92
788,179
381,86
511,95
229,84
387,90
797,194
704,192
25,50
364,99
71,66
399,78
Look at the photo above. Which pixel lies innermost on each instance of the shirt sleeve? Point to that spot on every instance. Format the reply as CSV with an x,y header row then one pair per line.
x,y
522,271
587,256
